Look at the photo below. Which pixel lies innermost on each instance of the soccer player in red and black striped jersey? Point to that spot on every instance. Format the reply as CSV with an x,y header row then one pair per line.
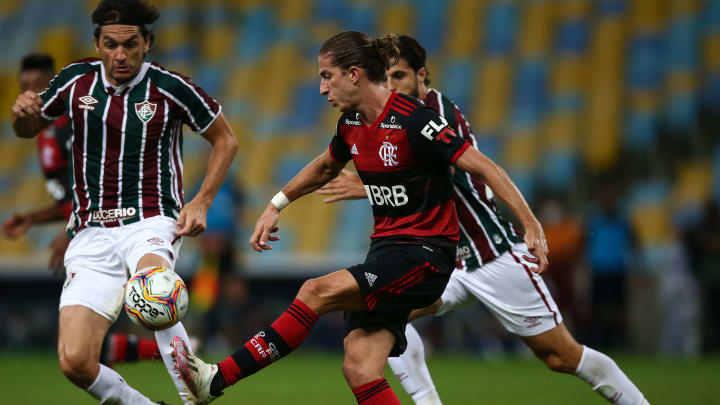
x,y
53,145
404,152
489,266
128,207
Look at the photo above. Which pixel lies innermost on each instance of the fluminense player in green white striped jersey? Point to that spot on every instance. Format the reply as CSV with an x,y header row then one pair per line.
x,y
128,207
491,267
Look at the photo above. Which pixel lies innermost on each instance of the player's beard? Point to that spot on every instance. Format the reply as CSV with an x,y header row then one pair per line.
x,y
414,92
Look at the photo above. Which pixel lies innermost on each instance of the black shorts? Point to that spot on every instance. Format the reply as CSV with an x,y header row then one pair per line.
x,y
395,279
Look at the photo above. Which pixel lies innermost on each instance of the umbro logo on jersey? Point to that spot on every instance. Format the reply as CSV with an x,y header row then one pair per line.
x,y
87,102
354,150
370,278
145,110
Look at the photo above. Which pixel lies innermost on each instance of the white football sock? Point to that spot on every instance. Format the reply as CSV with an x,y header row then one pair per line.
x,y
605,377
109,387
164,338
411,370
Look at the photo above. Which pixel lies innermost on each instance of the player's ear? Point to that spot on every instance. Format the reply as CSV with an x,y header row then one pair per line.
x,y
354,74
422,74
97,45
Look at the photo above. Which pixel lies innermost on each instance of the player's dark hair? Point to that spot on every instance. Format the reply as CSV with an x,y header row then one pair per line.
x,y
413,53
38,61
126,12
354,48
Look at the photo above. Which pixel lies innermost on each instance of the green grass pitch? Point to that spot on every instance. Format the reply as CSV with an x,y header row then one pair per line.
x,y
307,378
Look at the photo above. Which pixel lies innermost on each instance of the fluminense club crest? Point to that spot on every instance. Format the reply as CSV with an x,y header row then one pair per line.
x,y
145,110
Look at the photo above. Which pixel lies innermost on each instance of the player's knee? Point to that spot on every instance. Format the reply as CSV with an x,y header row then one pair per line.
x,y
315,292
75,363
358,371
559,363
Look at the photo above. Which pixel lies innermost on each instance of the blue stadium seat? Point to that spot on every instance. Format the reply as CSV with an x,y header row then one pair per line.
x,y
500,27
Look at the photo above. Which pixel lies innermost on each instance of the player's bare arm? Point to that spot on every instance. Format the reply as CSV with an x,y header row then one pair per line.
x,y
477,164
313,176
346,186
192,218
27,121
18,224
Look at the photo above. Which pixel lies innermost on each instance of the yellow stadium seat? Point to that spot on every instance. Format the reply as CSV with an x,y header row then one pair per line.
x,y
568,74
463,18
537,33
60,43
605,92
561,131
711,52
396,18
693,183
293,11
493,89
647,15
217,43
651,223
521,149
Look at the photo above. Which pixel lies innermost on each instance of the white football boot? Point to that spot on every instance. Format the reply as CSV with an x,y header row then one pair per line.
x,y
195,373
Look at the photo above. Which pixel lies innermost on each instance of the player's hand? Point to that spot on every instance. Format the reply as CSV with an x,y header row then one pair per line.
x,y
265,226
16,226
538,248
57,253
28,104
346,186
192,220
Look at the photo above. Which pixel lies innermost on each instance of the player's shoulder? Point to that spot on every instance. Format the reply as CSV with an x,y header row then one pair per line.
x,y
166,78
79,67
349,119
442,104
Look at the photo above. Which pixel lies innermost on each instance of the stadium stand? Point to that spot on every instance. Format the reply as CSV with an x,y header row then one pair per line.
x,y
552,89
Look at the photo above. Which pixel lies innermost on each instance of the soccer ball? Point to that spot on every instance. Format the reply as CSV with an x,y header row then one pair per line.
x,y
156,298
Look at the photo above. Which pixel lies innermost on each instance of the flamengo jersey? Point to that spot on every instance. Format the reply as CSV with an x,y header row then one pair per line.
x,y
404,162
127,141
53,147
484,234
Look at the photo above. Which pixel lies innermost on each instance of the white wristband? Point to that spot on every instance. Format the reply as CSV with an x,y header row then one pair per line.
x,y
280,201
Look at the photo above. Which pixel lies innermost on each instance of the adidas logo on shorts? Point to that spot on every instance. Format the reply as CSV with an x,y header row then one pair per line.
x,y
370,278
354,150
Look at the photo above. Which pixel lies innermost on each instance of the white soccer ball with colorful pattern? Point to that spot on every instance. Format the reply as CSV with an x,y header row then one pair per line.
x,y
156,298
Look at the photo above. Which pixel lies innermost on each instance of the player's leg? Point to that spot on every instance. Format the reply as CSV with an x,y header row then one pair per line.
x,y
410,367
364,366
412,371
149,243
91,300
337,291
128,348
520,300
80,337
559,350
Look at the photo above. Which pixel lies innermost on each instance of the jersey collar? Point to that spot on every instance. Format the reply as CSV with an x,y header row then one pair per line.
x,y
125,86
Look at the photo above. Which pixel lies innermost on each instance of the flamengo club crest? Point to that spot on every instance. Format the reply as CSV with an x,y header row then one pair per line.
x,y
145,110
387,154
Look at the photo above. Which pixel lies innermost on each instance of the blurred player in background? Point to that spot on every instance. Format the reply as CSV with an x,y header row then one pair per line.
x,y
53,146
128,207
404,152
489,269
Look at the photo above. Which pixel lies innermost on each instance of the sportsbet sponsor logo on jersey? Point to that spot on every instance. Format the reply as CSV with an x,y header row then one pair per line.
x,y
115,214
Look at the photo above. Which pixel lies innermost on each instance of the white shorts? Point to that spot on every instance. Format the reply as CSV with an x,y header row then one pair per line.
x,y
516,296
99,261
